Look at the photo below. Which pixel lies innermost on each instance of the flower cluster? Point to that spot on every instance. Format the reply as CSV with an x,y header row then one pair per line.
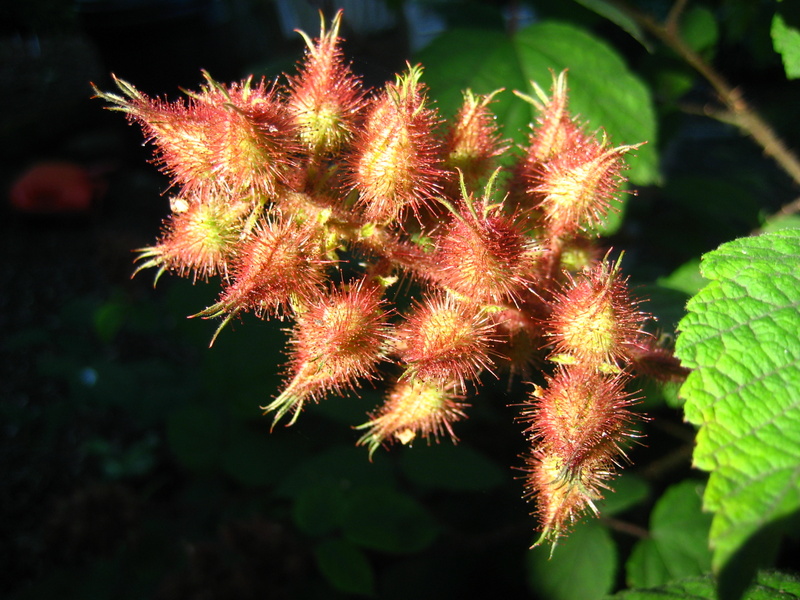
x,y
274,185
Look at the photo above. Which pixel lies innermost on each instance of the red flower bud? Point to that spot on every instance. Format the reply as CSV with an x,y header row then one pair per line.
x,y
473,142
555,128
594,321
281,262
562,497
577,426
325,97
199,240
577,186
337,339
570,177
580,416
445,340
396,163
237,139
413,408
482,255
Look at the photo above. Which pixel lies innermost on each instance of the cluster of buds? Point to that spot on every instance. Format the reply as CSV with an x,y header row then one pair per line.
x,y
275,185
580,420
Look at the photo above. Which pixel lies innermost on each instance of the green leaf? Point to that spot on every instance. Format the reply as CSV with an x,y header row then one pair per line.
x,y
613,13
109,318
685,278
629,490
603,92
257,458
769,585
741,337
786,41
449,467
344,466
383,519
699,29
678,542
583,565
318,509
345,567
783,222
666,304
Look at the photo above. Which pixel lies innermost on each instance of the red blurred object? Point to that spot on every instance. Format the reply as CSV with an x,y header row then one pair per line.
x,y
52,188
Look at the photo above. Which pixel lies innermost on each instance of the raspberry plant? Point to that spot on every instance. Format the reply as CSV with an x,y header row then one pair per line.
x,y
274,184
316,202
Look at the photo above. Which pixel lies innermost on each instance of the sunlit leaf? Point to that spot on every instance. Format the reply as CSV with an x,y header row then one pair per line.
x,y
742,338
786,41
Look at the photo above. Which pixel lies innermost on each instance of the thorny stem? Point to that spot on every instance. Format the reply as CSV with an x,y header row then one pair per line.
x,y
744,116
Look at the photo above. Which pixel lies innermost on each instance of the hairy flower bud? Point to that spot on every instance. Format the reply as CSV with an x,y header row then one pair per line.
x,y
594,321
237,138
281,262
580,415
337,339
482,255
555,128
562,497
445,340
578,185
577,424
413,408
252,137
200,240
325,97
396,163
568,176
473,141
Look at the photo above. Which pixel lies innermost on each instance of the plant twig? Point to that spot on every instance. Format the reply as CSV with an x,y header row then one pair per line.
x,y
787,209
625,527
673,18
739,112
